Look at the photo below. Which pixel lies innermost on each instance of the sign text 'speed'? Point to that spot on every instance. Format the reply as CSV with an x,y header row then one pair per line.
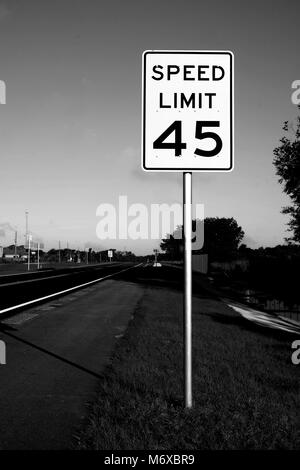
x,y
188,72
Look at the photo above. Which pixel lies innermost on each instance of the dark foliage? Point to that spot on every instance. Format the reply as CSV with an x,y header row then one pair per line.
x,y
222,237
287,163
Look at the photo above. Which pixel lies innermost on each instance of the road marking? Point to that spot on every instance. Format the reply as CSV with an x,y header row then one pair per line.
x,y
50,296
263,318
22,273
35,280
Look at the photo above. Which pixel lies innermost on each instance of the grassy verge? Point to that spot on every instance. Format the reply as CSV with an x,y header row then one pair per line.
x,y
246,389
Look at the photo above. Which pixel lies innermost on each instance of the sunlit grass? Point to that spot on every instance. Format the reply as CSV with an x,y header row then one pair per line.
x,y
246,389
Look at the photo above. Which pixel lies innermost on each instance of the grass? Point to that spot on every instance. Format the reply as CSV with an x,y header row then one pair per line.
x,y
246,389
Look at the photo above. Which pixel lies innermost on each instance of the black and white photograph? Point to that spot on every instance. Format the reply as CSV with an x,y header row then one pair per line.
x,y
149,229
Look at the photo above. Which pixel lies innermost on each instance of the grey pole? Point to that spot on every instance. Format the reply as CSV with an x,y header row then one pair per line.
x,y
26,219
28,261
16,241
26,228
187,233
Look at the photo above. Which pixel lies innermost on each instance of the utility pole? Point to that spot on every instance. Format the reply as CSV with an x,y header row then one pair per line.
x,y
26,229
38,256
59,251
27,240
16,241
26,224
28,260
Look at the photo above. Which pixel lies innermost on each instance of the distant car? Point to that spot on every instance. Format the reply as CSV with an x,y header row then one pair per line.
x,y
157,265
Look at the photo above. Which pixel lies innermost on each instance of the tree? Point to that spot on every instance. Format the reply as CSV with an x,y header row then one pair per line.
x,y
287,163
172,246
222,237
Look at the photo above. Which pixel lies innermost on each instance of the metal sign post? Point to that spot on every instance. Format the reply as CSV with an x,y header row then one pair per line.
x,y
187,233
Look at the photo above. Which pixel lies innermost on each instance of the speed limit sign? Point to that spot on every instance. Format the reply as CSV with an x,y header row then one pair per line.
x,y
187,111
187,126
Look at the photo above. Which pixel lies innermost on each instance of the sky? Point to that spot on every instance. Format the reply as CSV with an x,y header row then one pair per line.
x,y
70,131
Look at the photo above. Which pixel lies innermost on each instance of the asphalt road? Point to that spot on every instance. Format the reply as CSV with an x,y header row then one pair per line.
x,y
55,355
20,288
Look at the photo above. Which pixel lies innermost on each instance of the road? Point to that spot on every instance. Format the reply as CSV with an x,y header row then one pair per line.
x,y
57,350
18,289
55,355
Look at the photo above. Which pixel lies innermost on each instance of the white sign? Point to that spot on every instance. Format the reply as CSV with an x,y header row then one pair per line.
x,y
187,111
110,253
34,245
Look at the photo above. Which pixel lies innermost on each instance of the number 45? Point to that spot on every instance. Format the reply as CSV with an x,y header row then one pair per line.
x,y
178,145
